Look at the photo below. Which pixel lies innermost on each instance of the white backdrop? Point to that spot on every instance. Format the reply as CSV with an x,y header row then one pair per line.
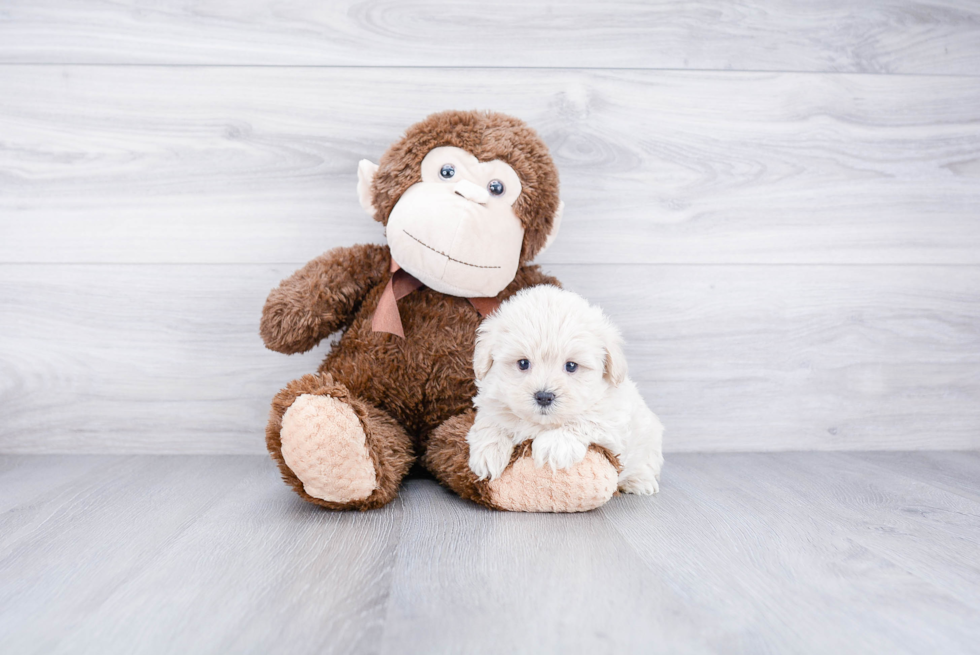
x,y
779,205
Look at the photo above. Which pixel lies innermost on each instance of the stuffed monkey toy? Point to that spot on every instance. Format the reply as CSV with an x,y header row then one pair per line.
x,y
467,199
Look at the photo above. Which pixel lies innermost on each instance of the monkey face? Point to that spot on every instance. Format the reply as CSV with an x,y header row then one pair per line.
x,y
466,197
456,230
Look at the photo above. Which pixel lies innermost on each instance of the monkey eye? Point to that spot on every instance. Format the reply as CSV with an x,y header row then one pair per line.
x,y
523,364
496,187
571,367
447,172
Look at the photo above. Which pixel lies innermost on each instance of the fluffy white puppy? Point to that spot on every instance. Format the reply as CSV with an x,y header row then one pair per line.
x,y
550,367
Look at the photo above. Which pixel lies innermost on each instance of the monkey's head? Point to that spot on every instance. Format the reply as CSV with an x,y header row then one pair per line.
x,y
466,198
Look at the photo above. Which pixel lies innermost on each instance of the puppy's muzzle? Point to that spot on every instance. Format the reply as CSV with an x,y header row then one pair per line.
x,y
544,398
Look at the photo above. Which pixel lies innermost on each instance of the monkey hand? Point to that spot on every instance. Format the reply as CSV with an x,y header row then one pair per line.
x,y
321,298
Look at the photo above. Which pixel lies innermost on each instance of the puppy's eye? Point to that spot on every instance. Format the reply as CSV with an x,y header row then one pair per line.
x,y
523,364
447,172
571,367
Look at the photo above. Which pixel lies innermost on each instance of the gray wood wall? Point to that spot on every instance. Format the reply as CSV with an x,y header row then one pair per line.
x,y
779,203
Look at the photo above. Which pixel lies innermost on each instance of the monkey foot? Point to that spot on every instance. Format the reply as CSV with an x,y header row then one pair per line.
x,y
585,486
324,444
521,487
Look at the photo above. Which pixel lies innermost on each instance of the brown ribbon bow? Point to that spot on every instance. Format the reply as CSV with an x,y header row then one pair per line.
x,y
400,284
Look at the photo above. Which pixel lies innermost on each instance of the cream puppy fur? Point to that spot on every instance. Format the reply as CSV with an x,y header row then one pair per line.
x,y
550,367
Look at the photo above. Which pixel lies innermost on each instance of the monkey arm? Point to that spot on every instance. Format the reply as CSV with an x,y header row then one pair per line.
x,y
321,298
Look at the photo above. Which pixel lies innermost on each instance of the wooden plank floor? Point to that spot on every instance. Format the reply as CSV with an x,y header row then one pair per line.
x,y
791,552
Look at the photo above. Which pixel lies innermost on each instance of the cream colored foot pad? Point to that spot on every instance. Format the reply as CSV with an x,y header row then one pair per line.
x,y
583,487
323,443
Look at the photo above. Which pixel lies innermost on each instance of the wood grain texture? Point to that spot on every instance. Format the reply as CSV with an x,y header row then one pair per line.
x,y
879,36
257,165
756,539
938,526
497,582
750,553
133,508
167,359
23,478
952,472
258,571
170,351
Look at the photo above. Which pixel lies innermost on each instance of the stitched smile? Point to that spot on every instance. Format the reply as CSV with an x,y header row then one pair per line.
x,y
452,259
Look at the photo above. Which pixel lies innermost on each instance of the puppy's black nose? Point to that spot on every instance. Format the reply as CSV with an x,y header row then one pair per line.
x,y
544,398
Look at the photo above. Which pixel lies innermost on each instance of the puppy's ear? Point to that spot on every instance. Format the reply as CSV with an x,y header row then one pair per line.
x,y
482,354
615,369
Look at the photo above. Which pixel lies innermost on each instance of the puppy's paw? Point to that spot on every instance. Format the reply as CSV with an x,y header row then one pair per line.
x,y
489,455
557,449
640,486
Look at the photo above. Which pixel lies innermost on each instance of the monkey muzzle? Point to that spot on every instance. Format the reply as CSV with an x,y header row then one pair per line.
x,y
455,239
470,191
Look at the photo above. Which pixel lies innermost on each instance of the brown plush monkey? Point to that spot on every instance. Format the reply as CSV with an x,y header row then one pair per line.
x,y
467,200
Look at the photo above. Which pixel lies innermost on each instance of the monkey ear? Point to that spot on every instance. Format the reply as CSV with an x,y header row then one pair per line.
x,y
615,368
482,354
555,224
365,176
